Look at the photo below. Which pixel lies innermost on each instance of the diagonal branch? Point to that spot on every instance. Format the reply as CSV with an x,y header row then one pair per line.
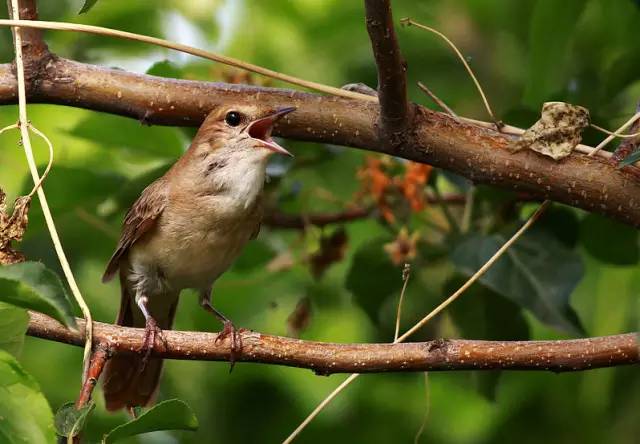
x,y
395,112
327,358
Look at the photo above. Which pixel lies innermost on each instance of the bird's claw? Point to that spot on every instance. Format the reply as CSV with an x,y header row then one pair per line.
x,y
229,331
151,332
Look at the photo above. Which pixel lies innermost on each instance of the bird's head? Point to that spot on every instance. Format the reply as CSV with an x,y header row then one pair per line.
x,y
241,132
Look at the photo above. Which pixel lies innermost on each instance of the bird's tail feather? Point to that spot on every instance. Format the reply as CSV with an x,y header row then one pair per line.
x,y
124,384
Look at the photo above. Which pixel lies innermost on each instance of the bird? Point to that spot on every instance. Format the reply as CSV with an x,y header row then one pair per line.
x,y
184,231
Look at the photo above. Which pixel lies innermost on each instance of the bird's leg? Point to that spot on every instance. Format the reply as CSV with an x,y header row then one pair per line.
x,y
228,328
151,330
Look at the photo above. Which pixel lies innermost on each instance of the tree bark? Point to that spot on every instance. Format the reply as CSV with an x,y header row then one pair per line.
x,y
480,154
327,358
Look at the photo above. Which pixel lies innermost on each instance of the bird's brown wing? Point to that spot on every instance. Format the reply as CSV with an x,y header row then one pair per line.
x,y
140,218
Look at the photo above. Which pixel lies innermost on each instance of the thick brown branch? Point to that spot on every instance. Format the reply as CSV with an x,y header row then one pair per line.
x,y
395,110
477,153
327,358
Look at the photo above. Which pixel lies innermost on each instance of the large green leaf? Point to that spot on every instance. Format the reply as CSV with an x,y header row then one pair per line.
x,y
552,27
121,133
33,286
609,241
537,273
172,414
13,326
372,278
25,416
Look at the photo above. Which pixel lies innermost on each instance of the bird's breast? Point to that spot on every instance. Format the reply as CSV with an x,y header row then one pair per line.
x,y
197,240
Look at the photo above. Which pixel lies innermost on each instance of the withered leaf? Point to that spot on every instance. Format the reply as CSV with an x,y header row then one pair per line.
x,y
558,131
12,228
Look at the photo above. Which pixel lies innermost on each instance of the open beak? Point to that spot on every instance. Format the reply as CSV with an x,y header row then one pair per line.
x,y
260,130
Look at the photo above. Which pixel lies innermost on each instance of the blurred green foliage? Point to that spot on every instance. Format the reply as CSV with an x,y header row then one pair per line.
x,y
573,270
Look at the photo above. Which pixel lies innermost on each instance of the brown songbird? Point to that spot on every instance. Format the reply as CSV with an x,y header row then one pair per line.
x,y
184,231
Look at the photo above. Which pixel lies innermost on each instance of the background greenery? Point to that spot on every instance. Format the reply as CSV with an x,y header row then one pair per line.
x,y
574,275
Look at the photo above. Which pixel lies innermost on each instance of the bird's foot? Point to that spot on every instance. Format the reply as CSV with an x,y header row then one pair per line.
x,y
151,332
229,331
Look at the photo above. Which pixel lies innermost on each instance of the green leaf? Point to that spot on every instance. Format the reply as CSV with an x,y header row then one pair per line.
x,y
609,241
13,326
562,223
537,273
172,414
25,415
33,286
70,420
165,69
550,32
88,4
485,314
372,277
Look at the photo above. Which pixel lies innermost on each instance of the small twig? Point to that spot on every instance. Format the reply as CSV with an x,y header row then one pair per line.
x,y
606,141
615,134
406,274
320,407
24,131
61,26
408,21
468,210
437,100
49,164
427,409
6,128
99,358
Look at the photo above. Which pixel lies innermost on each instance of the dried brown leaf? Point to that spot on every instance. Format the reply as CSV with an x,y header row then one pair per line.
x,y
558,131
12,228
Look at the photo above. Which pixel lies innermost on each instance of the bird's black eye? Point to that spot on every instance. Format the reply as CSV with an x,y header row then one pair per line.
x,y
233,118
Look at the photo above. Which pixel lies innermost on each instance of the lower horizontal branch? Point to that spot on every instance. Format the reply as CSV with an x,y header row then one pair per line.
x,y
326,358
